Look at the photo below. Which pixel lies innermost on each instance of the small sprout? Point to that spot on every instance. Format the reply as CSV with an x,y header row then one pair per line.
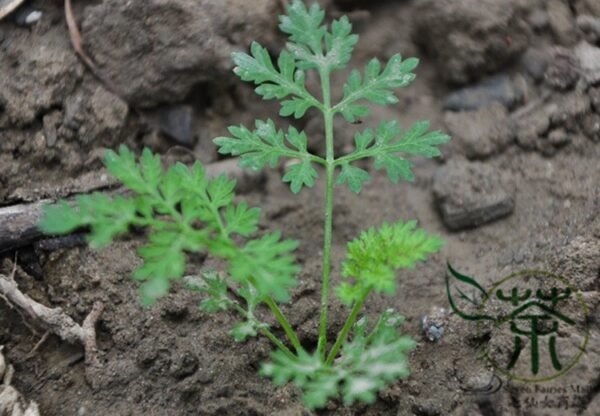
x,y
186,212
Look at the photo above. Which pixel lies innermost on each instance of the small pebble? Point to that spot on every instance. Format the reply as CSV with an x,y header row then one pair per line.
x,y
591,127
558,137
538,19
434,322
27,16
469,194
535,62
588,57
499,88
590,25
177,122
563,71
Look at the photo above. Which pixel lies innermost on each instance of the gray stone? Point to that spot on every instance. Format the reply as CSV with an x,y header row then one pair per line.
x,y
594,94
563,71
469,38
497,89
469,194
27,16
591,126
479,134
559,137
591,7
165,48
535,125
177,122
590,26
433,324
561,22
588,57
50,122
538,19
535,62
573,107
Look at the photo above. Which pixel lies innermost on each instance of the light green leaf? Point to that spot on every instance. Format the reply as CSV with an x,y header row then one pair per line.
x,y
304,27
395,166
220,191
123,166
269,264
242,330
299,175
214,287
355,177
272,82
61,218
340,44
184,212
373,259
389,144
377,85
367,364
239,219
263,146
363,139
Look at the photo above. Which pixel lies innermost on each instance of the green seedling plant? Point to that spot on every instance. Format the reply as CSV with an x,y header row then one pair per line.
x,y
184,211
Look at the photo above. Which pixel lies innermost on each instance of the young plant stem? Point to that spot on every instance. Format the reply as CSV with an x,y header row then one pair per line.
x,y
328,114
271,304
347,326
266,333
285,324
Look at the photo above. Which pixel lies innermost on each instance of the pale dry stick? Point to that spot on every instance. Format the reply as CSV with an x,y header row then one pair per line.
x,y
38,344
55,320
11,401
19,223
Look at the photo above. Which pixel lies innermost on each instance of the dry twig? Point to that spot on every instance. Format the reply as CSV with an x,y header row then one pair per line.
x,y
56,320
11,401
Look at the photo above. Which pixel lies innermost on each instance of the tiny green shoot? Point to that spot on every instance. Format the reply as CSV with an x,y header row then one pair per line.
x,y
185,211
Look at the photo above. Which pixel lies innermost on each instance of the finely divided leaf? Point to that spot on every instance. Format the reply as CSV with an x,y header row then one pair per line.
x,y
106,217
355,177
164,260
362,140
373,259
304,26
263,146
266,145
300,174
419,141
61,218
269,264
239,219
396,167
389,143
214,287
275,83
376,86
184,211
309,36
340,43
367,364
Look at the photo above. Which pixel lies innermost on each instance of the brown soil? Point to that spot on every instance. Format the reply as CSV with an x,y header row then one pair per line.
x,y
172,359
